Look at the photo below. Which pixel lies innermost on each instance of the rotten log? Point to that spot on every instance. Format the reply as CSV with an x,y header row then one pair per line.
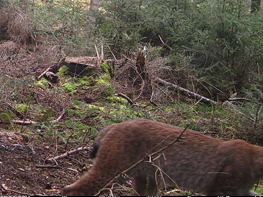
x,y
82,60
185,91
79,65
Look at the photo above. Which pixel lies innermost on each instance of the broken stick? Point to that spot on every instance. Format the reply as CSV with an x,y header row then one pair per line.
x,y
69,153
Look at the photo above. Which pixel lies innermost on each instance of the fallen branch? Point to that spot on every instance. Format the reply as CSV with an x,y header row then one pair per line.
x,y
243,100
188,92
24,122
47,166
146,157
126,97
60,117
40,76
68,153
20,122
31,122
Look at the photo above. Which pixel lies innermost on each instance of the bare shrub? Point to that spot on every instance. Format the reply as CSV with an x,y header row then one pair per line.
x,y
158,68
154,67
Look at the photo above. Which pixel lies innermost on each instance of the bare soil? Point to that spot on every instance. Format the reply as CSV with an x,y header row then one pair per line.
x,y
24,169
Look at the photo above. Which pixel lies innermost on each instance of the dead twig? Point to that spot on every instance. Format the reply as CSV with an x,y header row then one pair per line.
x,y
146,157
242,100
66,145
198,102
132,103
47,166
141,91
142,83
24,122
69,153
100,57
162,173
112,52
60,117
164,44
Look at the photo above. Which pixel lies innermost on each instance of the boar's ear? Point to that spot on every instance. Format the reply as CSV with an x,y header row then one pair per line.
x,y
94,150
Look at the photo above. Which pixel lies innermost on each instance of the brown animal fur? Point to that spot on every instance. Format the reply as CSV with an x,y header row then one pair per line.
x,y
198,163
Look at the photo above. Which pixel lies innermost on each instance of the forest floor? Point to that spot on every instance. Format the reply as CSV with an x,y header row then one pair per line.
x,y
90,104
26,148
24,170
